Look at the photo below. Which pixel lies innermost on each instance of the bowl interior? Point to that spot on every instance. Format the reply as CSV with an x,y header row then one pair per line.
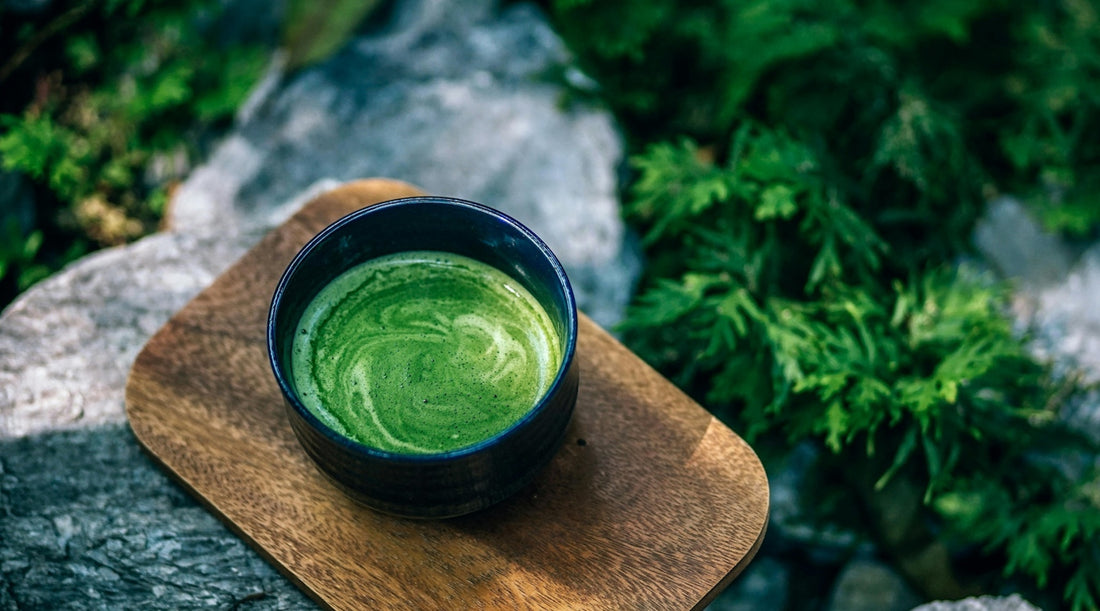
x,y
422,223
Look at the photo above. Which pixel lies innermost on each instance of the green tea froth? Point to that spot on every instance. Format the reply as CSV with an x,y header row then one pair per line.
x,y
423,352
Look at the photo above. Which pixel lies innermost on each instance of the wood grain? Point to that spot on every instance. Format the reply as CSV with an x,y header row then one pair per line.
x,y
650,504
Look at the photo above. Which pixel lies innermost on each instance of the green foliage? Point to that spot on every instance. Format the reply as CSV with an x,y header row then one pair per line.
x,y
788,315
109,88
1055,119
785,311
979,95
18,250
42,150
1042,524
807,176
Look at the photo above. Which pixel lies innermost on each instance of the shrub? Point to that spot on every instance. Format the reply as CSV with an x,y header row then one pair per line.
x,y
807,176
111,101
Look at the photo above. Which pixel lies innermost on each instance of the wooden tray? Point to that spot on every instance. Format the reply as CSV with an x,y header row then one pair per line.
x,y
650,504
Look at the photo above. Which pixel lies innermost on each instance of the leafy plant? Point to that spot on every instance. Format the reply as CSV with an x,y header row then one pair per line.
x,y
784,318
1046,525
17,250
112,99
807,176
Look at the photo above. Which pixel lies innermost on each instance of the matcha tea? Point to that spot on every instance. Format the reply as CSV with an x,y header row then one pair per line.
x,y
423,352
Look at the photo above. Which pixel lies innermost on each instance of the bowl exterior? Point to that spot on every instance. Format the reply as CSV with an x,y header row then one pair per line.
x,y
468,479
445,486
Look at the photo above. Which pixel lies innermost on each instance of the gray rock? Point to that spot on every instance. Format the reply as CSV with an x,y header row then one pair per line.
x,y
455,99
66,345
88,522
447,97
1065,329
1054,302
869,585
981,603
793,519
1017,245
762,587
1064,317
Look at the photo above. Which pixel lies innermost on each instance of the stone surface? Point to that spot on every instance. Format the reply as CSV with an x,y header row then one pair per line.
x,y
1055,299
794,522
457,101
1013,242
67,345
88,522
870,585
981,603
1065,326
1064,317
449,96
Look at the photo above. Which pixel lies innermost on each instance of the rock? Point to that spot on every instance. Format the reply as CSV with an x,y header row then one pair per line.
x,y
447,97
66,345
455,100
1064,318
869,585
793,521
1065,330
763,586
981,603
1054,300
89,522
1017,245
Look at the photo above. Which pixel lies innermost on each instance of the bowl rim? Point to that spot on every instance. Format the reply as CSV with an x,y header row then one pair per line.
x,y
315,423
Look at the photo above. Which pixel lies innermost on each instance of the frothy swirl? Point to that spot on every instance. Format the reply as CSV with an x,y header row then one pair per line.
x,y
423,352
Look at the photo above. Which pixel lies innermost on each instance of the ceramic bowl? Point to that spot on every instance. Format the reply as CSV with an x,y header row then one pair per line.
x,y
445,484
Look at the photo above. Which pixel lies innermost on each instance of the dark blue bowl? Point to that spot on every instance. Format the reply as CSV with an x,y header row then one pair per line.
x,y
429,485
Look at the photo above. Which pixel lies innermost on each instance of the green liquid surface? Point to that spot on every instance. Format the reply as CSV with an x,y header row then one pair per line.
x,y
423,352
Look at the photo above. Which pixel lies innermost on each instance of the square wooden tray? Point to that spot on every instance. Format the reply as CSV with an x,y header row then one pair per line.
x,y
650,504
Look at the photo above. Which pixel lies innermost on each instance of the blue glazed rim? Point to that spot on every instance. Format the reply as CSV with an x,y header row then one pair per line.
x,y
291,396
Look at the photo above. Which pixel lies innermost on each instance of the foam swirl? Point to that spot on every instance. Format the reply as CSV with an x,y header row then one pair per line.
x,y
423,352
